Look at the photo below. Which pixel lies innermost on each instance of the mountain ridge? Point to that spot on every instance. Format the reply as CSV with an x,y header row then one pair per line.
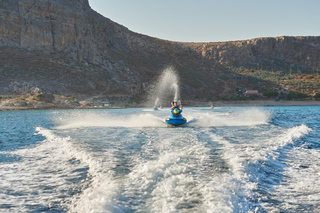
x,y
65,47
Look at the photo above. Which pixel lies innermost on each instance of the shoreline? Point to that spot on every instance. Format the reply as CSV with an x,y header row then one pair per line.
x,y
256,103
12,108
267,103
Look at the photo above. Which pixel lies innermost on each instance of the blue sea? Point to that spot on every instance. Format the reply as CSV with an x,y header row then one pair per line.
x,y
228,159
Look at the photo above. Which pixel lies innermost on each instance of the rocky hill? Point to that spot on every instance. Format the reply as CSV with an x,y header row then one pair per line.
x,y
64,47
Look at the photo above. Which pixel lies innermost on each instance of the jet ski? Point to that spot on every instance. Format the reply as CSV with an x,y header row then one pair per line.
x,y
176,118
155,108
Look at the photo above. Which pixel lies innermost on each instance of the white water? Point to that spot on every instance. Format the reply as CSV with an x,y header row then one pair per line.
x,y
42,176
148,118
132,165
166,88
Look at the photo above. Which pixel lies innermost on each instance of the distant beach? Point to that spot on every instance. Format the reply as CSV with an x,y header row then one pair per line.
x,y
186,104
267,103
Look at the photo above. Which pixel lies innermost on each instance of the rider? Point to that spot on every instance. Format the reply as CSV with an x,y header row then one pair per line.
x,y
175,105
176,109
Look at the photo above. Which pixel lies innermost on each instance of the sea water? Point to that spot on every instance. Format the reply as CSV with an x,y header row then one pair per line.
x,y
228,159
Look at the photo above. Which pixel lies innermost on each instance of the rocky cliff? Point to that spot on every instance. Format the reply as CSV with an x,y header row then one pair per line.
x,y
299,50
64,47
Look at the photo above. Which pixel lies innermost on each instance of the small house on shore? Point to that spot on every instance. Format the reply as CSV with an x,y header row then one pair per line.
x,y
248,93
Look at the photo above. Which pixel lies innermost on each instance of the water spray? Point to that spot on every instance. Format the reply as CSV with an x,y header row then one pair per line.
x,y
176,92
167,87
157,102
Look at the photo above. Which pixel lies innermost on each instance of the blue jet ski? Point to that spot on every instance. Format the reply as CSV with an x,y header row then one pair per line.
x,y
176,118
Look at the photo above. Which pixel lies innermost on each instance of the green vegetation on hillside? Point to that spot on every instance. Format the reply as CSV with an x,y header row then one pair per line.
x,y
274,74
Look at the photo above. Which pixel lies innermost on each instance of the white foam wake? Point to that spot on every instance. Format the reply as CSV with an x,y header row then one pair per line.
x,y
42,175
248,117
47,176
301,184
99,195
180,178
111,120
196,118
274,144
238,184
300,171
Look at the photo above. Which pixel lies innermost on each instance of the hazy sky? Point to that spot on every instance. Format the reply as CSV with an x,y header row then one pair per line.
x,y
212,20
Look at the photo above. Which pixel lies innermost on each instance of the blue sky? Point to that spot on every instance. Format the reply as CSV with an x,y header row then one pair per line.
x,y
212,21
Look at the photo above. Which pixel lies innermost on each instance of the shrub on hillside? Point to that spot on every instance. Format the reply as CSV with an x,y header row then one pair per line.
x,y
317,96
242,98
294,95
253,97
233,98
224,98
270,93
48,98
238,98
72,98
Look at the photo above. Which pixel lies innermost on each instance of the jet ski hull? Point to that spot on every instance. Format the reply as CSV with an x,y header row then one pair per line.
x,y
176,121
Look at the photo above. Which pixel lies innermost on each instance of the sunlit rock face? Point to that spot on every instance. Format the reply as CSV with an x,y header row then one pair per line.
x,y
63,46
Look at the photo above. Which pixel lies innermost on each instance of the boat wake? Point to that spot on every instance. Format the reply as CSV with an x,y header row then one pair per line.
x,y
196,118
80,120
248,117
42,175
156,170
225,160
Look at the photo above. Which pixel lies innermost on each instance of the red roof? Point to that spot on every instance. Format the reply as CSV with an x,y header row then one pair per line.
x,y
251,92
